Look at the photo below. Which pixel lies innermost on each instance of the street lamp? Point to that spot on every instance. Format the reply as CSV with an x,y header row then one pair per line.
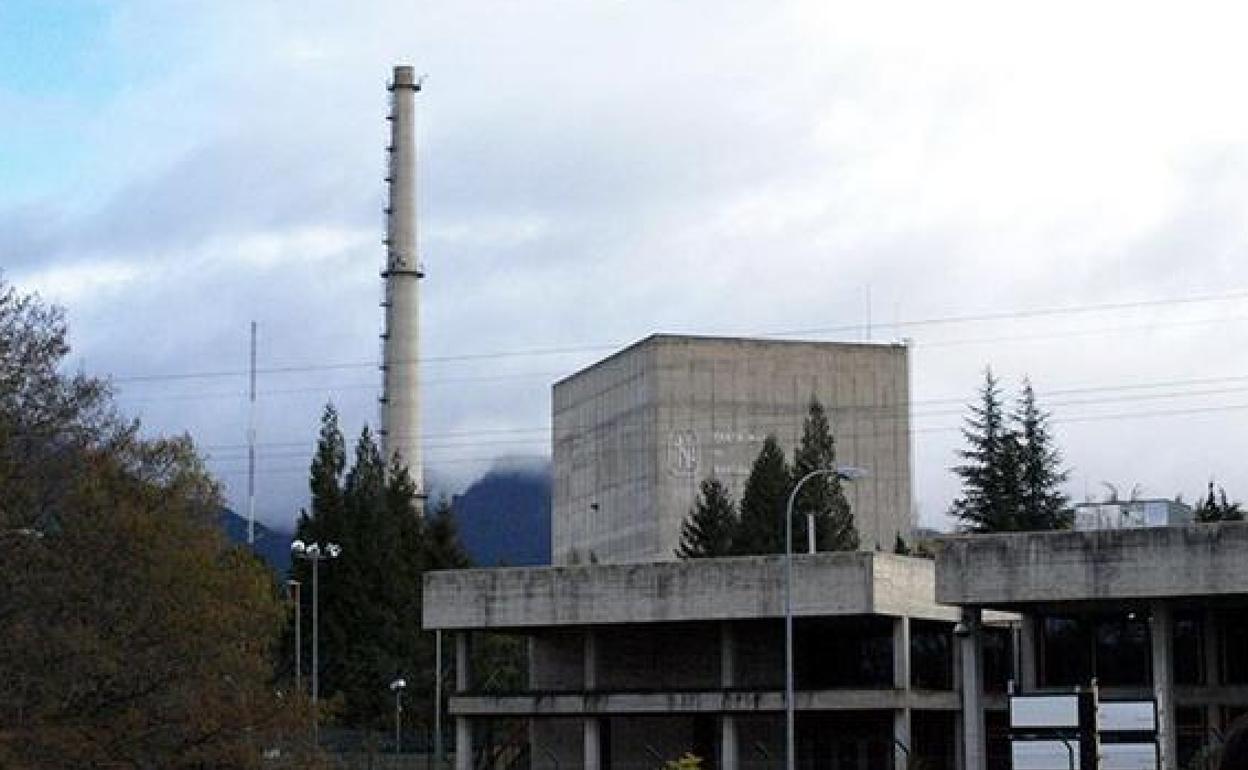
x,y
397,687
293,585
844,473
314,553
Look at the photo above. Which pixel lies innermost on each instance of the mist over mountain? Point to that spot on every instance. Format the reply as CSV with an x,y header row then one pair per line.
x,y
504,516
503,519
272,545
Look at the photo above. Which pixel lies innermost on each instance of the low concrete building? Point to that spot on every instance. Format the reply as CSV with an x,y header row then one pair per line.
x,y
633,664
1156,613
636,433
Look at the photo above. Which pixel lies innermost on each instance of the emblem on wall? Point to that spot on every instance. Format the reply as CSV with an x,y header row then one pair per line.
x,y
682,452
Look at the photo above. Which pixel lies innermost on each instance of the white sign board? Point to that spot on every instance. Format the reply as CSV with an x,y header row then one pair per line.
x,y
1128,756
1126,716
1044,755
1048,711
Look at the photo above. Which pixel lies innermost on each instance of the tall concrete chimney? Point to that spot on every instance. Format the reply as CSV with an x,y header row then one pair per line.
x,y
400,399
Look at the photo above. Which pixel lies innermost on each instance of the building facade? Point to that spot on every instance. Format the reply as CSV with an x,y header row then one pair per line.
x,y
635,434
631,665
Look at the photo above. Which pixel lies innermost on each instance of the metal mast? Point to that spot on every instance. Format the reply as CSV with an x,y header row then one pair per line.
x,y
251,443
400,399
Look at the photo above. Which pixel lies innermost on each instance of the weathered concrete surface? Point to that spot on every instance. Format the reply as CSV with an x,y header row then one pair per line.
x,y
636,433
685,702
1200,560
829,584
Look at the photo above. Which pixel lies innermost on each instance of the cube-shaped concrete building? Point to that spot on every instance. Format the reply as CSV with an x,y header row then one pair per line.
x,y
636,433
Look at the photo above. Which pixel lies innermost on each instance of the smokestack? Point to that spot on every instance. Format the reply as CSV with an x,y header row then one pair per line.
x,y
400,399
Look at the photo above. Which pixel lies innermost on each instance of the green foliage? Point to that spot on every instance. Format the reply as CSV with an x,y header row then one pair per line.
x,y
370,597
761,526
708,530
1042,505
1011,469
822,495
1215,507
686,761
900,547
131,633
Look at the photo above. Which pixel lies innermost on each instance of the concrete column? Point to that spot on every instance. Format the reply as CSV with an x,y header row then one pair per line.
x,y
1213,670
593,729
593,744
1161,634
728,751
463,680
463,744
463,672
970,650
901,681
1025,654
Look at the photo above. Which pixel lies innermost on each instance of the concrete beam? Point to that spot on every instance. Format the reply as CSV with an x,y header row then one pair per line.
x,y
686,702
825,584
1012,569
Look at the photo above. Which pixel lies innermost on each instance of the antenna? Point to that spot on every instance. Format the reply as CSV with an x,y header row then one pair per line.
x,y
251,443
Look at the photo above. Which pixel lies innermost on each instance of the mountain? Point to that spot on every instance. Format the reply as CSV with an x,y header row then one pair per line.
x,y
272,545
504,517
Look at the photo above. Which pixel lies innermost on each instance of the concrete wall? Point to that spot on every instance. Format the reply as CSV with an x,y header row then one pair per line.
x,y
635,434
1003,570
701,589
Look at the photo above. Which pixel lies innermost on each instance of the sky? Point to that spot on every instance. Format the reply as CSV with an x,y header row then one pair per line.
x,y
1056,191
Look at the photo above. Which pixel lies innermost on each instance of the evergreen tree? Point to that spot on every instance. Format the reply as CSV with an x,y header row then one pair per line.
x,y
1042,505
900,547
990,466
709,527
370,597
761,526
1215,507
822,495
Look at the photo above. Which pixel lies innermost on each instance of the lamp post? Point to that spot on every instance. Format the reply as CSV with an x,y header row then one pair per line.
x,y
397,687
314,553
293,585
845,473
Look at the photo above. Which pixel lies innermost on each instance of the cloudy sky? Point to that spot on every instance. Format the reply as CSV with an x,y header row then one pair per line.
x,y
1056,190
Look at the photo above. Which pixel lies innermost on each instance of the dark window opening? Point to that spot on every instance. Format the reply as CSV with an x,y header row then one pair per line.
x,y
931,655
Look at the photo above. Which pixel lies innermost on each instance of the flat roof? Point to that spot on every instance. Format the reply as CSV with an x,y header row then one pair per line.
x,y
1007,570
660,338
825,584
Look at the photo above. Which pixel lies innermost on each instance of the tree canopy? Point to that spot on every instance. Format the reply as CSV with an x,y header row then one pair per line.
x,y
370,597
1011,469
709,529
1214,506
131,633
822,495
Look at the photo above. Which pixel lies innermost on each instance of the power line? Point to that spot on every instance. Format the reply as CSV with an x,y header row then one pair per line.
x,y
566,350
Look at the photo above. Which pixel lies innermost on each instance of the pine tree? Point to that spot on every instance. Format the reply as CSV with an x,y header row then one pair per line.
x,y
1042,504
900,547
1215,507
370,597
709,527
990,466
822,495
761,526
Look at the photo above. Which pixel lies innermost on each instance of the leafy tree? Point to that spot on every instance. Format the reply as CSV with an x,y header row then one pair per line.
x,y
1215,507
822,495
761,527
708,529
1042,504
131,633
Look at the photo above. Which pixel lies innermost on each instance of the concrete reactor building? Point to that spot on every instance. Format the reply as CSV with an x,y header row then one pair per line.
x,y
636,433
